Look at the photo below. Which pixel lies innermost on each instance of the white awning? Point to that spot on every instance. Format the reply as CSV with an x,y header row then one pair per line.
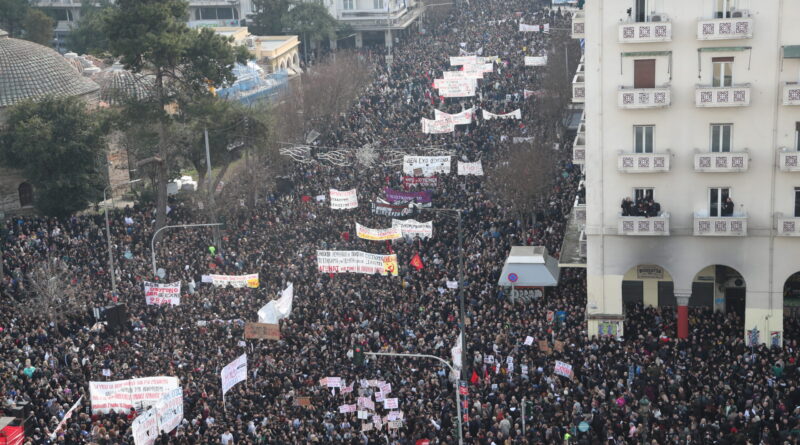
x,y
529,266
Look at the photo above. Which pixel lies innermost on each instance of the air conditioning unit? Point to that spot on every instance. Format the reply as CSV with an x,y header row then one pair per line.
x,y
656,18
738,14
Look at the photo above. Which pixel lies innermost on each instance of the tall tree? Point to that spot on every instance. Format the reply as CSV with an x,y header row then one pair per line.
x,y
152,36
12,15
311,21
39,27
89,36
267,17
59,146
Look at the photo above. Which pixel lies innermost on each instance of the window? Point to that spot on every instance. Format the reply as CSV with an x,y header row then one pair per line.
x,y
721,138
25,191
643,138
716,198
217,14
377,4
797,202
59,14
642,194
641,10
348,4
797,136
723,72
723,8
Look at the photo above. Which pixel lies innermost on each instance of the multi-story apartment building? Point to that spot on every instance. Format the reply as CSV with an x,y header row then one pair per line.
x,y
695,105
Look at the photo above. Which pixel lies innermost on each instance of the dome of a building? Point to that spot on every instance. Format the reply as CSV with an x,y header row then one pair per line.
x,y
118,84
32,71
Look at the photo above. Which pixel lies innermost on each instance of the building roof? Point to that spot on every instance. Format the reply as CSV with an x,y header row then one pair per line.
x,y
529,266
118,84
32,71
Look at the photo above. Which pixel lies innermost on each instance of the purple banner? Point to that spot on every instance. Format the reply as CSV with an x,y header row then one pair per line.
x,y
397,195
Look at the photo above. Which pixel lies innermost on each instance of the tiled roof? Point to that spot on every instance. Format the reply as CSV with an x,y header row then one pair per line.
x,y
118,84
30,71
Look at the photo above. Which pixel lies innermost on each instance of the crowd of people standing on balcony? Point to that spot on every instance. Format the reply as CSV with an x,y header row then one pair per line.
x,y
645,207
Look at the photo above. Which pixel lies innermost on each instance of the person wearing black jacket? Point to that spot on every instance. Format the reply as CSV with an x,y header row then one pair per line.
x,y
727,207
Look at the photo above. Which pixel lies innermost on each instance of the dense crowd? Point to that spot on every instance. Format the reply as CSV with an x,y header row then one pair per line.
x,y
710,389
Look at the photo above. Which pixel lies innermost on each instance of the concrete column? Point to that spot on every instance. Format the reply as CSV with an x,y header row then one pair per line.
x,y
388,38
333,44
683,312
359,40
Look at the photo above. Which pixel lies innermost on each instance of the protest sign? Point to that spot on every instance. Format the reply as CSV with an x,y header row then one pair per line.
x,y
423,182
544,347
470,168
390,403
158,294
262,331
535,61
463,60
516,114
237,281
145,428
455,83
344,409
452,284
427,164
462,118
563,369
169,410
399,196
122,395
342,200
279,309
386,209
436,127
66,418
457,90
535,28
302,401
528,340
233,373
333,382
354,261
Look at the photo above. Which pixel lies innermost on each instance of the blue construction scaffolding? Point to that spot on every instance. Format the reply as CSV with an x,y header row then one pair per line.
x,y
253,85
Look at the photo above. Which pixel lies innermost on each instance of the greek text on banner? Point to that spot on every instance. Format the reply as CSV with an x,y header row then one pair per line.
x,y
158,294
354,261
377,234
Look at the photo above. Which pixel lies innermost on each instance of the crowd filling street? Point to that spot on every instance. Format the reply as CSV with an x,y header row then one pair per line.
x,y
709,389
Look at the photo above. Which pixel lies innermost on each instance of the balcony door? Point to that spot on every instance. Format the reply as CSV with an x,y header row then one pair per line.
x,y
644,73
642,10
797,202
721,138
716,198
724,8
723,72
643,138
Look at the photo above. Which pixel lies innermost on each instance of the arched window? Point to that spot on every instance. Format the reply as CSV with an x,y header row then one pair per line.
x,y
25,194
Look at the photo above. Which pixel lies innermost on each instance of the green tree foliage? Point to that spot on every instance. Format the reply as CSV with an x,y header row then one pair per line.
x,y
39,27
152,36
12,15
311,20
89,36
267,17
59,146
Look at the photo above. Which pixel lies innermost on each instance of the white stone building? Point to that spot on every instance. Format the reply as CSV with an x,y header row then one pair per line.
x,y
689,102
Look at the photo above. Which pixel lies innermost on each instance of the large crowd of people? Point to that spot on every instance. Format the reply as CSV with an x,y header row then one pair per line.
x,y
649,386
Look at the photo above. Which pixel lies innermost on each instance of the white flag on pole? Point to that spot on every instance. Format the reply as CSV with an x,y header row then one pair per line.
x,y
277,309
234,372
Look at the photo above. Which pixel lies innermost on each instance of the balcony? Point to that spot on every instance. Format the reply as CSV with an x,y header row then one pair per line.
x,y
791,93
740,27
725,162
735,96
646,32
578,89
578,25
788,226
643,162
633,98
580,212
643,226
735,225
582,244
579,150
789,160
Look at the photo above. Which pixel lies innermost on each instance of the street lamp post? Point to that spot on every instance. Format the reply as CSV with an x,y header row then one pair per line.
x,y
183,226
108,235
452,369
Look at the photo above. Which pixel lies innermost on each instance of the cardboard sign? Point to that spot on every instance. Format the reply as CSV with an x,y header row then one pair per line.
x,y
543,346
262,331
302,401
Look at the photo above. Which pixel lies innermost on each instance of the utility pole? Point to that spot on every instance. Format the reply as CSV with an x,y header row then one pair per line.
x,y
211,201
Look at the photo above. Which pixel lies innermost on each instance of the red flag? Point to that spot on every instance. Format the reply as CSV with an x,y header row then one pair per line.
x,y
389,246
305,198
417,262
346,236
474,379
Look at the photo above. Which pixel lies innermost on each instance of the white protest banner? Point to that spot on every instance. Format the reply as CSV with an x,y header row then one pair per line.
x,y
344,409
463,60
234,372
487,59
355,261
535,28
390,403
377,234
459,82
170,410
395,415
481,68
455,75
429,165
457,90
362,415
145,428
516,114
333,382
412,228
436,127
122,395
528,340
386,388
66,417
343,200
535,61
237,281
462,118
278,309
379,397
394,424
470,168
452,284
158,294
563,369
526,93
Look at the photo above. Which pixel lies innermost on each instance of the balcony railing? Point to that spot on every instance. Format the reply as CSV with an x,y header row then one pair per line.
x,y
788,226
578,89
725,162
579,150
580,212
726,29
582,244
578,25
789,160
631,98
643,162
643,226
735,96
646,32
791,93
720,226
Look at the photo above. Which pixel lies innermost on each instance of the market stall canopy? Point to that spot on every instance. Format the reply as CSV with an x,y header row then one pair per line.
x,y
529,266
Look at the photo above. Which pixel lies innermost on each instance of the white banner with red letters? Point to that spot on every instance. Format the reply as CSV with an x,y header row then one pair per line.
x,y
516,114
158,294
122,395
437,127
470,168
412,228
233,373
377,234
343,200
462,118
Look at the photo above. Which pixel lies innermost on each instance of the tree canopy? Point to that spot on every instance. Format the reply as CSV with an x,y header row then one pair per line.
x,y
268,17
39,27
13,15
311,20
89,36
59,146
